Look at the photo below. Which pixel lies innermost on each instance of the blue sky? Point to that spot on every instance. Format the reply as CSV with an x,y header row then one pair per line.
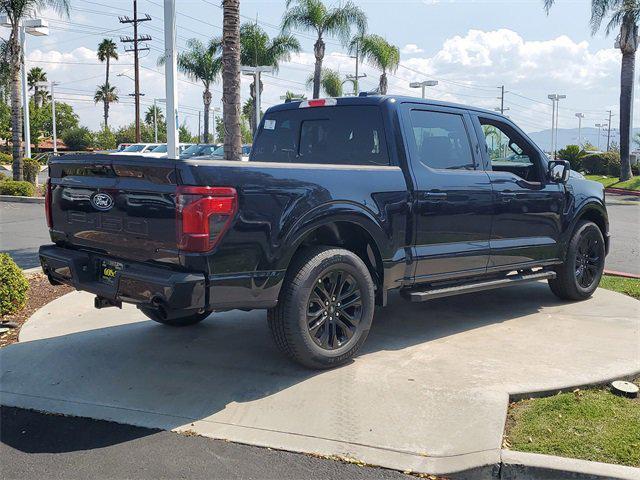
x,y
470,46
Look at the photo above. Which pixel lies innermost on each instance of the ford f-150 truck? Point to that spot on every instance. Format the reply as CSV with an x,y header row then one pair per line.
x,y
342,201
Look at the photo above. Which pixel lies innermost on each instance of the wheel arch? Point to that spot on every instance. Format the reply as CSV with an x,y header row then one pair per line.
x,y
594,212
357,232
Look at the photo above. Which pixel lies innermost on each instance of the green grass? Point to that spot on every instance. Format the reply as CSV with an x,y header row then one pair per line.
x,y
633,184
591,425
628,286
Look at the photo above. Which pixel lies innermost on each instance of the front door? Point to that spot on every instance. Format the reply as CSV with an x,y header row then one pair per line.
x,y
528,208
452,205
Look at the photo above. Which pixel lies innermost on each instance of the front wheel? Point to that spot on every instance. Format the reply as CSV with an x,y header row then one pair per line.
x,y
579,276
325,308
175,320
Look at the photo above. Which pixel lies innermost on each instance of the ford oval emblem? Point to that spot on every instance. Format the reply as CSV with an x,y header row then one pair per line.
x,y
102,201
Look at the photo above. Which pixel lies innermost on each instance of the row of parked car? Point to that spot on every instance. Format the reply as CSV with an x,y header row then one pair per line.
x,y
205,151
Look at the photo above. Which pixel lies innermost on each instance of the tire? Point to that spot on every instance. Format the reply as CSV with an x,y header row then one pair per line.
x,y
175,321
579,276
323,336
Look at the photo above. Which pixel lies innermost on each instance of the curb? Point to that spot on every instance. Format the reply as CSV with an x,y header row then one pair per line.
x,y
614,273
32,271
534,466
622,191
15,199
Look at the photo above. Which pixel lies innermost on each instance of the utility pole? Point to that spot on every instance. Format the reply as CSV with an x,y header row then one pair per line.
x,y
501,98
171,76
609,131
51,86
256,71
356,78
199,129
580,116
136,61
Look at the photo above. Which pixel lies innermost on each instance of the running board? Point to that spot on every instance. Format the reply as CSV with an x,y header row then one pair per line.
x,y
424,295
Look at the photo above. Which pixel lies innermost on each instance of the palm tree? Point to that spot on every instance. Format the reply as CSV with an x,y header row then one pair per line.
x,y
313,15
257,49
380,53
36,75
290,96
330,81
149,116
107,95
625,15
107,49
202,63
231,113
16,10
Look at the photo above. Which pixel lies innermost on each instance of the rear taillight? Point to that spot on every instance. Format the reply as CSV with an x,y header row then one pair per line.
x,y
203,216
47,204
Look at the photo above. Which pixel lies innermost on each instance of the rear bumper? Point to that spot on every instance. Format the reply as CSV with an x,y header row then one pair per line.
x,y
142,285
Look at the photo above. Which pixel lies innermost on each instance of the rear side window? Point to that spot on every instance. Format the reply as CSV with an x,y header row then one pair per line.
x,y
339,135
441,140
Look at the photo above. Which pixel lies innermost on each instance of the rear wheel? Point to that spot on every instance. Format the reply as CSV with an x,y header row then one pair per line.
x,y
579,276
325,308
173,320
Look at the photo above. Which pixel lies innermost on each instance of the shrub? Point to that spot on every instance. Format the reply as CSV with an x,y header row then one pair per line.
x,y
78,138
20,189
13,286
574,155
31,168
105,139
5,159
3,177
607,163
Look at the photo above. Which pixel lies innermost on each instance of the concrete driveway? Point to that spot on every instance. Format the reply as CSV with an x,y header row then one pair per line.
x,y
428,393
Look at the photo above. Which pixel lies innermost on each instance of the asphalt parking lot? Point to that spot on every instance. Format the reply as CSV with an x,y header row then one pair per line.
x,y
37,446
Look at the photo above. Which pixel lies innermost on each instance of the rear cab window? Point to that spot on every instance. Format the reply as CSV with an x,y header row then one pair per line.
x,y
335,135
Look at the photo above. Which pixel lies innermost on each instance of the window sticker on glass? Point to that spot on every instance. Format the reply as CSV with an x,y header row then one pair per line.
x,y
270,124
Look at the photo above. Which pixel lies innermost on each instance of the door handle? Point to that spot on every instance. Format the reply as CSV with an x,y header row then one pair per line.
x,y
436,195
507,196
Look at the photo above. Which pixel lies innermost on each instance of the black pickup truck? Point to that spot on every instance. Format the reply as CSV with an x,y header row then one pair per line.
x,y
342,201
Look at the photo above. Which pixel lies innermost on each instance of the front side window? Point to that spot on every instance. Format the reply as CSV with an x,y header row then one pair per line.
x,y
441,140
508,151
335,135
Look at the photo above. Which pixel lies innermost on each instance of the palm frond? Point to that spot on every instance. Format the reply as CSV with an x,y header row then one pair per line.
x,y
339,20
380,53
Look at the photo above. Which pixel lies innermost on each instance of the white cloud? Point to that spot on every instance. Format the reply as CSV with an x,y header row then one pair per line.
x,y
411,49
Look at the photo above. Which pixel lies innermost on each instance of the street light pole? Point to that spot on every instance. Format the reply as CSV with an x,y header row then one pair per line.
x,y
580,116
256,71
171,74
423,85
555,99
25,96
599,125
51,87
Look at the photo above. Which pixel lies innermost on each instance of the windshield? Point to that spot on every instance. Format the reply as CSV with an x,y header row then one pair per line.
x,y
160,149
138,147
219,151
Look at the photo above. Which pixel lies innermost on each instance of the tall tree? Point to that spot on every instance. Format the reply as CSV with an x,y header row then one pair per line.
x,y
107,49
330,81
149,116
16,11
36,75
202,63
107,95
231,108
622,15
315,16
257,49
380,53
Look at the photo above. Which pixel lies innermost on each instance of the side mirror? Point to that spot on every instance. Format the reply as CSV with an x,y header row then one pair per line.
x,y
559,171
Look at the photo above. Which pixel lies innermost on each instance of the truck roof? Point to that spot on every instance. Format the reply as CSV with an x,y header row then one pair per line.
x,y
380,99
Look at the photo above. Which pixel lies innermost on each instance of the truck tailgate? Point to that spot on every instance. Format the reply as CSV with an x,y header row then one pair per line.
x,y
123,205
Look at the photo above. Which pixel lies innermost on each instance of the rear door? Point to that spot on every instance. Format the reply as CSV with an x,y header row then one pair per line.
x,y
453,201
122,206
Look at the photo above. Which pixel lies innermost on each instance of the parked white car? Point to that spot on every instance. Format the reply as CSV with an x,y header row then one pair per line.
x,y
161,150
137,149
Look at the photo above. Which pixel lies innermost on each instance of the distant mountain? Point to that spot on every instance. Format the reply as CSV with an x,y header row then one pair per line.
x,y
569,136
